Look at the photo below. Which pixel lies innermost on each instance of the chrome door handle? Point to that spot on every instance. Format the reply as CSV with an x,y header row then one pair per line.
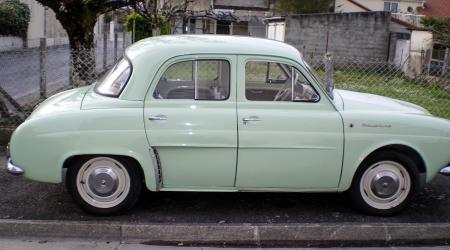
x,y
158,118
251,119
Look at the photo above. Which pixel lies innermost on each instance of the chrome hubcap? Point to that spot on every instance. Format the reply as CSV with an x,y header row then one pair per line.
x,y
385,184
103,182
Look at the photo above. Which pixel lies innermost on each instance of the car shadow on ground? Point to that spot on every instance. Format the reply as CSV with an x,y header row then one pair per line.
x,y
24,199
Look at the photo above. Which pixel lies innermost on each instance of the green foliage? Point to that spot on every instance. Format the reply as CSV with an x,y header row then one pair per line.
x,y
165,29
14,18
440,28
286,7
142,27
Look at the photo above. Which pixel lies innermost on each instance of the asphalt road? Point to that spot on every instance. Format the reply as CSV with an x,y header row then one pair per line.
x,y
24,199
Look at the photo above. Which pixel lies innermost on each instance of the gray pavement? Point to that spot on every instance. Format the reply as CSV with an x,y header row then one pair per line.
x,y
53,244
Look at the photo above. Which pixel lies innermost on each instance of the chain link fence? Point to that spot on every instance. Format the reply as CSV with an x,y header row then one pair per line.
x,y
27,76
416,82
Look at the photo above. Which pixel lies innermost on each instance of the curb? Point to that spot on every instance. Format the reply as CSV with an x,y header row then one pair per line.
x,y
323,234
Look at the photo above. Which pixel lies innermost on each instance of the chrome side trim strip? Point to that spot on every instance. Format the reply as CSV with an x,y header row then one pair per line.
x,y
156,167
13,169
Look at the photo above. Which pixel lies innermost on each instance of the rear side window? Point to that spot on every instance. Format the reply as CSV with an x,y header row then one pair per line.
x,y
115,80
196,80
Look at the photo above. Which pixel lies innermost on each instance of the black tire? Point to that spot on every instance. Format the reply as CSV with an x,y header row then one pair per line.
x,y
129,199
355,191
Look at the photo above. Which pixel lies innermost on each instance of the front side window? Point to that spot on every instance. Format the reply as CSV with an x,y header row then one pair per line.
x,y
115,80
268,81
195,79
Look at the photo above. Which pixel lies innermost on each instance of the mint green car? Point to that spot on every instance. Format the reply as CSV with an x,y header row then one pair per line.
x,y
227,114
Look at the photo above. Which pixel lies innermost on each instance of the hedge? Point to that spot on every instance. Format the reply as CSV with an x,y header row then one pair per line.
x,y
14,18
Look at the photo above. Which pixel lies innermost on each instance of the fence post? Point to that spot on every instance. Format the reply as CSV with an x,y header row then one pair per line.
x,y
115,47
124,40
328,61
446,60
134,31
105,49
42,62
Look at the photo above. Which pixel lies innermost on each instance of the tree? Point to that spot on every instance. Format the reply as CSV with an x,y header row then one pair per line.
x,y
78,18
14,18
158,16
440,28
287,7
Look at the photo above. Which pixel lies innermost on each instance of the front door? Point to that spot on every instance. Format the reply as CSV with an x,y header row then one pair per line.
x,y
190,120
290,135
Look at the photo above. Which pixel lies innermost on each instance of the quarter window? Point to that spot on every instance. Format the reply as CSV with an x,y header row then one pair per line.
x,y
198,79
115,80
268,81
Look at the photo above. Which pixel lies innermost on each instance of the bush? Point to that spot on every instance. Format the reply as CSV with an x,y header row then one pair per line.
x,y
14,18
142,28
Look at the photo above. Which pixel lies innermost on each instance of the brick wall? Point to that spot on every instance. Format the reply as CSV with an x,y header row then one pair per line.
x,y
345,35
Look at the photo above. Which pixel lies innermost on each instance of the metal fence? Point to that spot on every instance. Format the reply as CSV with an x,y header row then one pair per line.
x,y
27,76
414,81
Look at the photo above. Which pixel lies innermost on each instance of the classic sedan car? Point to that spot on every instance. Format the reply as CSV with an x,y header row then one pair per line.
x,y
227,114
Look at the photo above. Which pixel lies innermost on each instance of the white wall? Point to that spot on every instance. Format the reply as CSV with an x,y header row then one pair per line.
x,y
43,22
420,42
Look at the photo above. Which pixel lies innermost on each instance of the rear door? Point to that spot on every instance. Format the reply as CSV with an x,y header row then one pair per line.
x,y
190,119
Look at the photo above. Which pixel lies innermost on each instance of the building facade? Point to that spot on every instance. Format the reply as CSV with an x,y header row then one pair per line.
x,y
229,17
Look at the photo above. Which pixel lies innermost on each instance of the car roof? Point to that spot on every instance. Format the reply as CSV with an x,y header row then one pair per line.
x,y
165,47
147,55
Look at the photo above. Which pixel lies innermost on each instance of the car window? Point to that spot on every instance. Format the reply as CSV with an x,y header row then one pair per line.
x,y
268,81
195,79
115,80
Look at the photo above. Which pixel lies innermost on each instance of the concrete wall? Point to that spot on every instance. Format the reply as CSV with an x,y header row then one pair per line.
x,y
43,22
10,43
376,5
349,35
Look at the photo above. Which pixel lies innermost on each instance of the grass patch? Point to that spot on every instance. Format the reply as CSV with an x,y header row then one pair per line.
x,y
433,98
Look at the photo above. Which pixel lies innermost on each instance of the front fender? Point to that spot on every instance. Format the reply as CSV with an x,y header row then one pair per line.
x,y
424,134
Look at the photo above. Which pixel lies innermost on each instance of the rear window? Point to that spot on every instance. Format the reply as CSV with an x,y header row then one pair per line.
x,y
115,80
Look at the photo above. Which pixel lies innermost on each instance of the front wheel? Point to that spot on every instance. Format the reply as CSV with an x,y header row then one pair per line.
x,y
384,183
104,185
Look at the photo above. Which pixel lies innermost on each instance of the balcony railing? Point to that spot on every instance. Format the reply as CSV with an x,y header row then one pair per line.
x,y
410,18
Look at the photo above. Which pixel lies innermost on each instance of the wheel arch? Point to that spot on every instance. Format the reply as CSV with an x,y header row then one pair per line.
x,y
407,150
73,158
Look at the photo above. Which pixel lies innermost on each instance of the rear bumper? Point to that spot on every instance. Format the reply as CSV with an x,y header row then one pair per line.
x,y
13,169
445,171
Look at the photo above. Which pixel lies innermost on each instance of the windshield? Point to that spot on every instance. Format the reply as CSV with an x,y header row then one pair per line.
x,y
323,85
115,80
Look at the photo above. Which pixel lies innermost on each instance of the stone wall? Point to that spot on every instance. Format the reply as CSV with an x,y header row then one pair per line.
x,y
345,35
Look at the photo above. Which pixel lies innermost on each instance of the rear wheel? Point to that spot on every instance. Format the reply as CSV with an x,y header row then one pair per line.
x,y
104,185
384,183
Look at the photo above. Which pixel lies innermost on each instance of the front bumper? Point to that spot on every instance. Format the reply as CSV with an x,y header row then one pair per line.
x,y
13,169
